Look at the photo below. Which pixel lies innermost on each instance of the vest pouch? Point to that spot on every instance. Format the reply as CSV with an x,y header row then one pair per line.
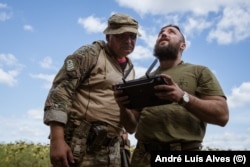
x,y
78,143
97,136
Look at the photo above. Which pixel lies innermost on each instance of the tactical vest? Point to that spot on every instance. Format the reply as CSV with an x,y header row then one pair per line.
x,y
77,130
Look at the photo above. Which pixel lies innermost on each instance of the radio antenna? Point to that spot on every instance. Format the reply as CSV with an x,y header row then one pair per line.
x,y
127,72
150,68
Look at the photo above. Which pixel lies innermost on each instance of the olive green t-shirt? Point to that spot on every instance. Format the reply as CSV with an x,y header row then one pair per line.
x,y
172,122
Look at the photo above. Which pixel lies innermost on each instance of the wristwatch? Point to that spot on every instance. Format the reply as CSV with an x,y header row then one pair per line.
x,y
184,100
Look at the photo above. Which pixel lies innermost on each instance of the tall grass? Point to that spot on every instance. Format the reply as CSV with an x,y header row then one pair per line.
x,y
22,154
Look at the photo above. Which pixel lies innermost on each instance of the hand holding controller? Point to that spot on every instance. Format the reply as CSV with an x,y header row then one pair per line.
x,y
141,92
159,80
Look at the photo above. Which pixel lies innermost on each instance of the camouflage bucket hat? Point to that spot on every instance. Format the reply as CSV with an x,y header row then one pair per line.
x,y
120,23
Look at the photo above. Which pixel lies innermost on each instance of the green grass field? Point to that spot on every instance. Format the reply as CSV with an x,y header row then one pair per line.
x,y
22,154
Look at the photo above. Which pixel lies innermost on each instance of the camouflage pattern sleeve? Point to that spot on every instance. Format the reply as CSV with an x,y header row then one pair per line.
x,y
61,94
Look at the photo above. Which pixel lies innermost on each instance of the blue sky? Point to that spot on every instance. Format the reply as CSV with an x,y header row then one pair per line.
x,y
36,36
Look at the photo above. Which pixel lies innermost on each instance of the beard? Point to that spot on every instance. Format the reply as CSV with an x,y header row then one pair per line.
x,y
169,52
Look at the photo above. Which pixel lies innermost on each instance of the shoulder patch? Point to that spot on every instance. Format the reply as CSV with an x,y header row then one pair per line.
x,y
70,65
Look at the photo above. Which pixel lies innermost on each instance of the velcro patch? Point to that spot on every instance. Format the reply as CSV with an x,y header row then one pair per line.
x,y
70,65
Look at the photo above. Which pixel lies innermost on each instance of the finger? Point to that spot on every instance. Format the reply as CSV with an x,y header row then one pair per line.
x,y
161,88
114,87
56,164
118,93
64,163
60,162
71,157
169,80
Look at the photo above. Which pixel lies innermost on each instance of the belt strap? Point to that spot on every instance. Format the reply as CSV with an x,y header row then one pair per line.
x,y
110,141
104,140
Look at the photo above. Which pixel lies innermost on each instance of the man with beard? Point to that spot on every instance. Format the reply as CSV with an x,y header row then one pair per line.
x,y
197,99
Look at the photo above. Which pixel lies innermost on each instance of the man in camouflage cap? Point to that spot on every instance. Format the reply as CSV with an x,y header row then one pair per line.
x,y
83,116
120,23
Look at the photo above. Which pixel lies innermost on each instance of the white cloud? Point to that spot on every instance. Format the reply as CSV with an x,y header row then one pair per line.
x,y
9,69
29,128
149,36
4,16
223,141
92,24
233,26
228,140
2,5
239,117
141,53
195,25
8,77
231,18
35,114
5,13
165,7
222,37
140,71
46,62
46,77
240,95
28,28
8,59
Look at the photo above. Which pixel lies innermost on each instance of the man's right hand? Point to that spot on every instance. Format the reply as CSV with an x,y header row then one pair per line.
x,y
60,152
120,99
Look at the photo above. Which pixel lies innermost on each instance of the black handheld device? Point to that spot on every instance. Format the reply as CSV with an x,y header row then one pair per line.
x,y
141,91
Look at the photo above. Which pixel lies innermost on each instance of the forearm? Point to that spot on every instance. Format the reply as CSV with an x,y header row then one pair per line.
x,y
212,109
129,119
56,131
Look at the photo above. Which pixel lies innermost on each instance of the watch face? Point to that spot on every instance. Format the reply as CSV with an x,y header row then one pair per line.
x,y
186,97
